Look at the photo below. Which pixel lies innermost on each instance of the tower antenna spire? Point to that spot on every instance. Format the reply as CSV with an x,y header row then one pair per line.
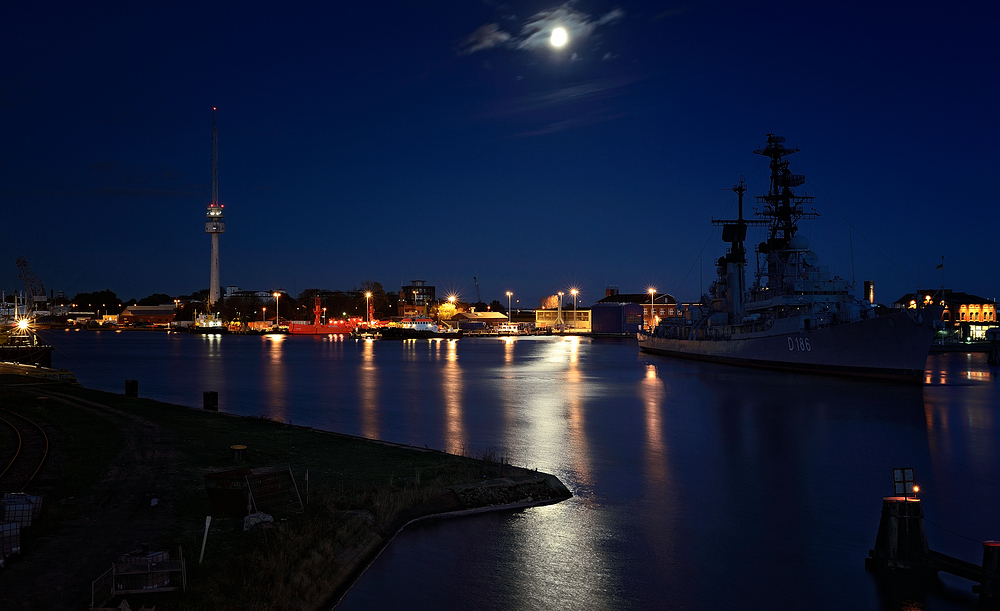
x,y
215,161
214,221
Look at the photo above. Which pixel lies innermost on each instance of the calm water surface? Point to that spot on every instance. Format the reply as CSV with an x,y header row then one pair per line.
x,y
695,486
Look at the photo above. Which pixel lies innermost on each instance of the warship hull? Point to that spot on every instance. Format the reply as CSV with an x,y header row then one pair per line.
x,y
890,347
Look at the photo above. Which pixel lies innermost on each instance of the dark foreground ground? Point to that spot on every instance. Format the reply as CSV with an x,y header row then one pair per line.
x,y
124,474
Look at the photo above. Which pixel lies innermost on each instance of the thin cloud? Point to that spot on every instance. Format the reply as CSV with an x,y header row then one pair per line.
x,y
673,12
570,123
581,92
486,37
537,30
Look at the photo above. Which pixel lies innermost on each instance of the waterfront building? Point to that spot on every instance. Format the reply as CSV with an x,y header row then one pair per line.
x,y
660,305
416,298
136,315
572,320
966,316
616,318
418,292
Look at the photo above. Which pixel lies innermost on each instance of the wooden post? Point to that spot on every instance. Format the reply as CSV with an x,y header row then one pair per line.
x,y
239,452
204,540
210,400
184,575
990,587
901,542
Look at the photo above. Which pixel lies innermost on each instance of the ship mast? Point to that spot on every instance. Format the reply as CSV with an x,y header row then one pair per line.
x,y
783,209
780,204
733,264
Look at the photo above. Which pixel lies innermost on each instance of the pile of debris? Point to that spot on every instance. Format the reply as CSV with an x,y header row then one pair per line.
x,y
17,510
141,571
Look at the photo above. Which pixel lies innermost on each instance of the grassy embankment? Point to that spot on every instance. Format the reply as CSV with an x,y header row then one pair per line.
x,y
360,493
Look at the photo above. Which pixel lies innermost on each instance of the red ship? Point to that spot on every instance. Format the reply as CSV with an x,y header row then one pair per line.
x,y
339,326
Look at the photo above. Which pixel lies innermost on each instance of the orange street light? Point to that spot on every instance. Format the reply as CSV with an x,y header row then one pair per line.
x,y
652,305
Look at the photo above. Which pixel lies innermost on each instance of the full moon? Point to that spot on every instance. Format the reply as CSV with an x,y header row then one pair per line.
x,y
559,37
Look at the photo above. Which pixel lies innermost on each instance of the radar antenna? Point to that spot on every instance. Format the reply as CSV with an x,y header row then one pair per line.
x,y
781,204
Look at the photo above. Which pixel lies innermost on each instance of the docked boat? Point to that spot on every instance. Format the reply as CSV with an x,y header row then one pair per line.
x,y
339,326
794,316
208,324
417,328
19,344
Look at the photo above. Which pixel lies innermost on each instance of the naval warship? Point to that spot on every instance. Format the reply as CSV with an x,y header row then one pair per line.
x,y
793,316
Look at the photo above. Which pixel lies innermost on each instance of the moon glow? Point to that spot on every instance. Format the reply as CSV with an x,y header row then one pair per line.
x,y
559,37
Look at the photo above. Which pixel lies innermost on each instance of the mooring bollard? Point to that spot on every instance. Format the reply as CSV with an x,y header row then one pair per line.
x,y
239,452
132,388
210,400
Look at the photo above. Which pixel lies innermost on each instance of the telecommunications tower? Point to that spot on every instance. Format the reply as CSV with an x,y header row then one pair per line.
x,y
214,223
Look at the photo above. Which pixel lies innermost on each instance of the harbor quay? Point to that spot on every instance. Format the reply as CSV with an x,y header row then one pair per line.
x,y
126,477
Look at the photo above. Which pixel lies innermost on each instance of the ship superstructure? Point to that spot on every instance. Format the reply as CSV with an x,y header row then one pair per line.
x,y
793,315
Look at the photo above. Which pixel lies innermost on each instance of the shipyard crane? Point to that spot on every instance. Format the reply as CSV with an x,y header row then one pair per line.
x,y
34,291
478,298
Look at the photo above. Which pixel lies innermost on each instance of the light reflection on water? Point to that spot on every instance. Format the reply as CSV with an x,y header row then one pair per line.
x,y
696,486
368,381
451,383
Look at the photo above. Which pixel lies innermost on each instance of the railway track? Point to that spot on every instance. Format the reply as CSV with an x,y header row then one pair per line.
x,y
24,453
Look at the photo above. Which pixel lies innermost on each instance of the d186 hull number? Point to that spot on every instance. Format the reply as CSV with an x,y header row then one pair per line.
x,y
799,344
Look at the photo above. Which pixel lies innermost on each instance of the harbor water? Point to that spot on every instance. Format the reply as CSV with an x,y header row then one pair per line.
x,y
696,486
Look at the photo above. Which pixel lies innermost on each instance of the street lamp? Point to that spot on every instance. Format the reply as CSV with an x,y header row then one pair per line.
x,y
277,312
324,316
559,317
652,292
263,311
368,306
574,293
508,305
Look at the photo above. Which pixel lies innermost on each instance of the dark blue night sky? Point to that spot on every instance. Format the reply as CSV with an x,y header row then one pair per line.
x,y
446,140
